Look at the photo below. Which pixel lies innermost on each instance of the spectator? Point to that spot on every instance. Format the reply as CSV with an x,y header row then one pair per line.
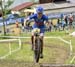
x,y
17,24
54,22
16,30
50,25
63,24
70,21
66,20
58,23
22,23
62,16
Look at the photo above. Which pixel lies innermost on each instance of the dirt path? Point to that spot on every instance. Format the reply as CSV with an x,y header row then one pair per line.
x,y
60,51
4,63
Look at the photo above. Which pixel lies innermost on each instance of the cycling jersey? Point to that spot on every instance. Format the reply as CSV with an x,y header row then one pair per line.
x,y
39,23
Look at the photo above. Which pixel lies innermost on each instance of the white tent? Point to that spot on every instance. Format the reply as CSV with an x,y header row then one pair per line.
x,y
30,10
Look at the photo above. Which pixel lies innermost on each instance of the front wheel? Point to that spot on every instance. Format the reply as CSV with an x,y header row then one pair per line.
x,y
37,49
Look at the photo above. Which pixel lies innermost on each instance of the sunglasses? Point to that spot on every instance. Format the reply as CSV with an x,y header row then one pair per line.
x,y
39,13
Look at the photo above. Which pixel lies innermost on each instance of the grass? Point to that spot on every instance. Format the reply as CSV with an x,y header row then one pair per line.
x,y
50,53
56,53
2,49
25,54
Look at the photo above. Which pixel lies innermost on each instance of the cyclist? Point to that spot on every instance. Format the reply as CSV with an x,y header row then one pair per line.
x,y
39,18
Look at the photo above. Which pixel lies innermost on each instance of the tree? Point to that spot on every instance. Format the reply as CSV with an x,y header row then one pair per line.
x,y
10,2
2,10
4,7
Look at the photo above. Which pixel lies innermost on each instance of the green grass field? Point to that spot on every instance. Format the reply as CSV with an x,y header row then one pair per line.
x,y
55,51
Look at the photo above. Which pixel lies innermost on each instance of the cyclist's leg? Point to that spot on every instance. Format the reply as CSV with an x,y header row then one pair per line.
x,y
41,38
32,37
32,40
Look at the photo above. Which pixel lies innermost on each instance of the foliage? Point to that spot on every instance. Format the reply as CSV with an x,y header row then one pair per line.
x,y
7,12
10,2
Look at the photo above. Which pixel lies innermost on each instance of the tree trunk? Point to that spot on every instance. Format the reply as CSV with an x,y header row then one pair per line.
x,y
4,30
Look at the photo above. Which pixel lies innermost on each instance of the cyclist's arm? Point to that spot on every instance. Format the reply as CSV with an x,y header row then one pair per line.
x,y
27,20
47,20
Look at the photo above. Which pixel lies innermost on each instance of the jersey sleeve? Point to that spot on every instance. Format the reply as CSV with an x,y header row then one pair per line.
x,y
46,18
31,17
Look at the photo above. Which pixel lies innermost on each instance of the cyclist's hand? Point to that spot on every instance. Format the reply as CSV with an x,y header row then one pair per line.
x,y
48,23
28,23
25,22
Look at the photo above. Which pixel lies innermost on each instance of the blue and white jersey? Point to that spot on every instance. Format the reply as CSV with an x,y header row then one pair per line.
x,y
38,22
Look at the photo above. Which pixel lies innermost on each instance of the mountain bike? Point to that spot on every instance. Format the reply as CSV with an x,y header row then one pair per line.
x,y
37,42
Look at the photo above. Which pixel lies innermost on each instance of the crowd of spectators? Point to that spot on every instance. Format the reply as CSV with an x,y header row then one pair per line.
x,y
65,22
62,23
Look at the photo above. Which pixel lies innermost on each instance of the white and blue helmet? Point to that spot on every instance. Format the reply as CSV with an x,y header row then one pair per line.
x,y
39,9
